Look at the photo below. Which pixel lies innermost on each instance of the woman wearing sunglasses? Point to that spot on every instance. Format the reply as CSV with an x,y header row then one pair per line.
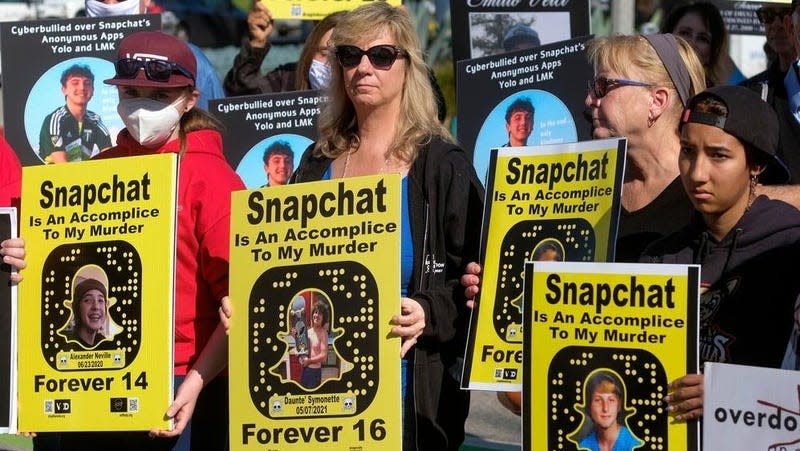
x,y
157,103
744,242
640,87
381,118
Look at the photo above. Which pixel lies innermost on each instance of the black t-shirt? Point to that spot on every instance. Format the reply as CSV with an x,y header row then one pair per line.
x,y
665,215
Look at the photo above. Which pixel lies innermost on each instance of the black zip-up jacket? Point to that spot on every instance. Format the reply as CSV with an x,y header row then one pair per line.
x,y
445,201
750,282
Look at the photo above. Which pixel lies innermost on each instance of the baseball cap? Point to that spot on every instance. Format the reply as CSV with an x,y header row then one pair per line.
x,y
154,59
751,120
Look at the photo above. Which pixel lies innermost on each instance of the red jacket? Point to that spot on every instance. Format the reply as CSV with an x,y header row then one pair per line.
x,y
204,205
10,175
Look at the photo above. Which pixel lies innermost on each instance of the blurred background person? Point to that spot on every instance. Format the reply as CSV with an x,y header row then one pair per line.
x,y
701,25
779,40
311,71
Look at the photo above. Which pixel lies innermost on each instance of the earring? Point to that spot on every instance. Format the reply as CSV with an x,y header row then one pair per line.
x,y
752,197
650,121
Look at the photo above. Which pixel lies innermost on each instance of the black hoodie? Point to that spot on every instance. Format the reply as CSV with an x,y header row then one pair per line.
x,y
749,282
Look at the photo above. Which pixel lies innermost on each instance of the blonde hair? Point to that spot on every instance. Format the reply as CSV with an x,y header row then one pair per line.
x,y
418,121
620,53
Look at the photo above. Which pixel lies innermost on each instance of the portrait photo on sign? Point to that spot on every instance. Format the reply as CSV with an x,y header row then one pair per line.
x,y
312,331
272,160
91,306
607,395
89,322
527,118
311,358
605,413
70,114
495,33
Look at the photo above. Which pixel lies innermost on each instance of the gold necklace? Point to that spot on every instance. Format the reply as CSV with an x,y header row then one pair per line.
x,y
347,162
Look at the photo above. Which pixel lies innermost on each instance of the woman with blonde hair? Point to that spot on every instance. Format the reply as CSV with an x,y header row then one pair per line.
x,y
640,87
381,118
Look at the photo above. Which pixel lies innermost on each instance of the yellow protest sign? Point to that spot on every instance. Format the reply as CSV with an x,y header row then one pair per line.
x,y
314,9
602,343
96,306
315,280
556,202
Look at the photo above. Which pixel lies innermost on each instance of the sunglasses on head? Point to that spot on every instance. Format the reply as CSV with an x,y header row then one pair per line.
x,y
599,86
154,70
381,56
767,15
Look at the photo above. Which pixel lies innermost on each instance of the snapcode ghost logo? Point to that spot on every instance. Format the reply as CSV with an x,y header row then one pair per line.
x,y
635,379
336,326
534,240
63,270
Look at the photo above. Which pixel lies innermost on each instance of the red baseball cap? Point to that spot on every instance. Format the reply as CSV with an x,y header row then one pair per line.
x,y
154,59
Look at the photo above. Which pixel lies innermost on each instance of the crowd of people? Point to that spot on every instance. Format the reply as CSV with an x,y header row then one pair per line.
x,y
718,157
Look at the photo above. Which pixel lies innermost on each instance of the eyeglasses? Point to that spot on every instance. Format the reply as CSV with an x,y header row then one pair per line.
x,y
154,70
767,15
381,56
600,86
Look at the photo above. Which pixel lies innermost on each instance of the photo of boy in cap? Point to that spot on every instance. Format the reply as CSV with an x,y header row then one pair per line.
x,y
745,243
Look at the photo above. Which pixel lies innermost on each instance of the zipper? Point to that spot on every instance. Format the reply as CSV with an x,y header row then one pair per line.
x,y
419,288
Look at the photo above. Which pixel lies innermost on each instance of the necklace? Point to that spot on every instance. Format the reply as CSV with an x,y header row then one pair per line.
x,y
347,162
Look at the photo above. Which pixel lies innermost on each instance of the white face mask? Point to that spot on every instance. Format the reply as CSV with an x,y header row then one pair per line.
x,y
149,121
319,75
96,8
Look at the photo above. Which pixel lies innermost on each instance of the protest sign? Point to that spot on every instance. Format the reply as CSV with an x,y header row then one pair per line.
x,y
602,343
280,126
53,72
98,294
548,83
558,202
315,280
764,416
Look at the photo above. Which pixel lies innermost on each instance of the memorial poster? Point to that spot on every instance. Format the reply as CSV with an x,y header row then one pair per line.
x,y
602,343
315,280
96,324
265,135
527,98
557,202
53,71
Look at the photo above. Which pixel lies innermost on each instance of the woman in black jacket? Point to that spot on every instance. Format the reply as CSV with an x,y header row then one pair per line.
x,y
381,118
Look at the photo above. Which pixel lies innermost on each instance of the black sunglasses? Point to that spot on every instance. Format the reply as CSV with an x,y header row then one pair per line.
x,y
767,15
600,86
381,56
154,70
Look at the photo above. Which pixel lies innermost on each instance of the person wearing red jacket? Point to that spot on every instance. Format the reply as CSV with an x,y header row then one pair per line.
x,y
155,75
